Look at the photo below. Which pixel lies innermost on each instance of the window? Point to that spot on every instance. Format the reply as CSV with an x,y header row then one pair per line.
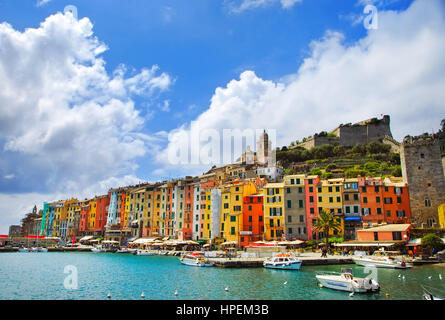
x,y
292,181
311,189
250,218
289,204
329,189
346,197
365,200
289,231
300,189
250,208
427,203
232,230
300,203
399,199
387,200
348,209
379,210
311,210
388,213
376,236
364,189
289,219
337,189
338,199
288,190
397,235
301,218
331,199
232,218
320,199
311,199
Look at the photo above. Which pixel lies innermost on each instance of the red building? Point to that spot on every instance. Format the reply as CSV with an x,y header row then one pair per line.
x,y
188,212
102,203
253,219
84,213
310,189
123,203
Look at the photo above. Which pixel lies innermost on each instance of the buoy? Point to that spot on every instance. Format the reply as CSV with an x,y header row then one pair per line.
x,y
387,295
400,275
285,282
320,285
109,295
351,294
430,277
440,276
227,289
176,292
403,277
142,295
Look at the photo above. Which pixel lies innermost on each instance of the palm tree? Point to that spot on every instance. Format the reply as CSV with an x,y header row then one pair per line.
x,y
325,223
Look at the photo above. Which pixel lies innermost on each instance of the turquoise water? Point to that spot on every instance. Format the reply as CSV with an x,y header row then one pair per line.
x,y
41,276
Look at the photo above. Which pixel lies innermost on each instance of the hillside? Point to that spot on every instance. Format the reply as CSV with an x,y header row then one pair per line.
x,y
335,161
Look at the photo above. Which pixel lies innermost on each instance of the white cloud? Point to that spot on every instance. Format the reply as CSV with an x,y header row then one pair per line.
x,y
63,113
397,69
238,7
42,2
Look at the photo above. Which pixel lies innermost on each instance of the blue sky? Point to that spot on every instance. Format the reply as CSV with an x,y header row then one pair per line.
x,y
293,66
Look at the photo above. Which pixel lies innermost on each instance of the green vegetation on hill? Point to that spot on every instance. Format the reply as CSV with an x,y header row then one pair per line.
x,y
328,161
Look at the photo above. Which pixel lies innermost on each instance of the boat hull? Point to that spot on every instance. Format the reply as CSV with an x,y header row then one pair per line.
x,y
339,283
379,264
196,263
283,266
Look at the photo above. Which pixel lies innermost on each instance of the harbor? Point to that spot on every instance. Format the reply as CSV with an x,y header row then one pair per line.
x,y
126,276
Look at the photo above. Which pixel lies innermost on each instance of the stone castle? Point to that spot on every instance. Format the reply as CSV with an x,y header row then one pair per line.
x,y
349,135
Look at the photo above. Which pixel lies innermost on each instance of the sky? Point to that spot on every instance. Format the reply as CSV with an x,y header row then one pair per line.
x,y
107,94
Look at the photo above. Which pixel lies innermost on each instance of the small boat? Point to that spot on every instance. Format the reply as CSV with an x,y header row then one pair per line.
x,y
24,250
381,259
284,261
347,282
196,260
40,249
427,295
96,249
124,250
144,253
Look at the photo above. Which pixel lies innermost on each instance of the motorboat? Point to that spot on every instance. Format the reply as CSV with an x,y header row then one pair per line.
x,y
196,260
144,253
124,250
428,295
40,249
24,250
283,261
382,259
347,282
97,249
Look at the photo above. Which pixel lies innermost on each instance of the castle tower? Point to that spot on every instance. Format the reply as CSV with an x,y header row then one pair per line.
x,y
422,170
263,147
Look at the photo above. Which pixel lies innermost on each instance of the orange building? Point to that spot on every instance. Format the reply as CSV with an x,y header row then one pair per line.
x,y
253,219
371,200
385,233
396,201
188,212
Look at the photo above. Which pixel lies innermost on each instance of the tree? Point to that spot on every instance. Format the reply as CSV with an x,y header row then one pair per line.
x,y
325,223
432,241
397,171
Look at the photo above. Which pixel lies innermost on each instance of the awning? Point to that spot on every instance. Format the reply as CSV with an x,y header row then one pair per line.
x,y
143,241
414,242
132,239
95,240
362,244
86,238
110,241
229,243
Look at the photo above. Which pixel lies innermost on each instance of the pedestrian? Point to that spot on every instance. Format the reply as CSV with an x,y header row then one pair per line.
x,y
414,253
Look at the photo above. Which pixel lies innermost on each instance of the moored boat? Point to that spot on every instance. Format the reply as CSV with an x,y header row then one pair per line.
x,y
96,249
283,261
381,259
144,253
428,295
347,282
195,259
24,250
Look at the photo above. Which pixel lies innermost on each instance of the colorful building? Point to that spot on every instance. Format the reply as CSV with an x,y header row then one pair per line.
x,y
253,219
294,208
310,188
273,211
329,199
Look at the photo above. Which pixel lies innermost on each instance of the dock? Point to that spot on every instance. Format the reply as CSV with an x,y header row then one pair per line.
x,y
258,262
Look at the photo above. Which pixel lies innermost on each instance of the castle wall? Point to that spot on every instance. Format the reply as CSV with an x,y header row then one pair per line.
x,y
422,169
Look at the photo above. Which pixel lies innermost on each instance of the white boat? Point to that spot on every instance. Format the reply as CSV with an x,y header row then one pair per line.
x,y
381,259
40,249
427,295
124,250
144,253
283,261
347,282
196,260
96,249
24,250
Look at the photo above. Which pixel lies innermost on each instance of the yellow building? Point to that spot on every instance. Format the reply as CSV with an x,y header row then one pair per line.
x,y
205,221
330,199
92,215
156,212
442,216
273,211
232,196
